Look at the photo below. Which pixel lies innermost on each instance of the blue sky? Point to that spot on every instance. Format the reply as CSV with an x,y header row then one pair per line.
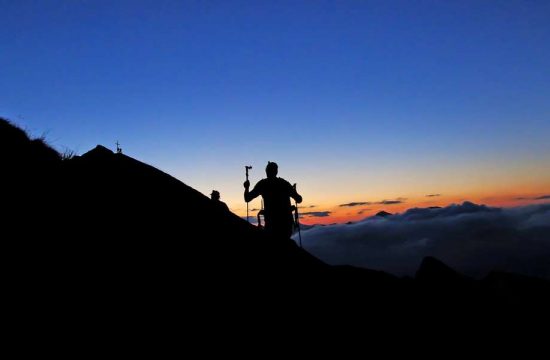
x,y
349,97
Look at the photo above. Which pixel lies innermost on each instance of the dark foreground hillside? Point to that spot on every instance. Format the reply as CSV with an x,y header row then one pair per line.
x,y
103,236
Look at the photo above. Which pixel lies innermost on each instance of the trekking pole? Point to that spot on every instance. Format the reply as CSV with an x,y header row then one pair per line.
x,y
246,168
297,219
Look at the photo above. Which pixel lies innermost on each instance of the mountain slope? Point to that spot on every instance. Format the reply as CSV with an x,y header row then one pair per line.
x,y
104,235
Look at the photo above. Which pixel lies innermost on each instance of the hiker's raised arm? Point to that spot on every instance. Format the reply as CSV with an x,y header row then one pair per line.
x,y
250,195
294,194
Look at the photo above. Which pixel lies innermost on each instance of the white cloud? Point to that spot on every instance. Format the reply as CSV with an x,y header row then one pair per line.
x,y
473,239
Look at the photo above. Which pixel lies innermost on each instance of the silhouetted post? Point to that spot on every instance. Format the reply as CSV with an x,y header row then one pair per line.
x,y
297,218
246,168
260,214
118,148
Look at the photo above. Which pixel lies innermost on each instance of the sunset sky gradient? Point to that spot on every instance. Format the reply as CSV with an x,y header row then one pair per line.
x,y
379,102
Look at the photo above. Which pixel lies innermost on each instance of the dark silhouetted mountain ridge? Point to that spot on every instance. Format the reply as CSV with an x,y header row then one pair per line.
x,y
103,235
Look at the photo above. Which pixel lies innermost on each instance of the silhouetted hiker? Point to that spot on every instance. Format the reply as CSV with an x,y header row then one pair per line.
x,y
215,196
276,193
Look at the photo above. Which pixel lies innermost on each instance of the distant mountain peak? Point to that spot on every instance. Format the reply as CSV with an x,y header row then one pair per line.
x,y
435,271
383,214
98,152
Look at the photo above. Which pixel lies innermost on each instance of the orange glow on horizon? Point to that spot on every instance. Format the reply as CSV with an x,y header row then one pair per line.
x,y
339,214
329,209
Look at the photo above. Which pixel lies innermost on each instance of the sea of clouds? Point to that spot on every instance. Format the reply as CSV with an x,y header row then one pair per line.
x,y
473,239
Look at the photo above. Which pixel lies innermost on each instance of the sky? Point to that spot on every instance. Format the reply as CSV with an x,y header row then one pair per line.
x,y
380,103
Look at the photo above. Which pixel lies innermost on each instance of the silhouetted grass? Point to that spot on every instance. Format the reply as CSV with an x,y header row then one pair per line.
x,y
68,154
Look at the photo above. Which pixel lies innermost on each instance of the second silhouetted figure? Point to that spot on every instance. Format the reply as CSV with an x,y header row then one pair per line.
x,y
276,193
215,196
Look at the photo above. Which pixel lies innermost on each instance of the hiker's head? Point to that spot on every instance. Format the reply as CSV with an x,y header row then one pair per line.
x,y
215,195
271,169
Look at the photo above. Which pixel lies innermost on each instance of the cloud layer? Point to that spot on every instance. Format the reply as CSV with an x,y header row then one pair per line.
x,y
356,203
391,202
315,214
473,239
383,202
542,197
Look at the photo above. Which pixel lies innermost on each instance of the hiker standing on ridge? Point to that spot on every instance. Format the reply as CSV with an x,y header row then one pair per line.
x,y
276,193
215,196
